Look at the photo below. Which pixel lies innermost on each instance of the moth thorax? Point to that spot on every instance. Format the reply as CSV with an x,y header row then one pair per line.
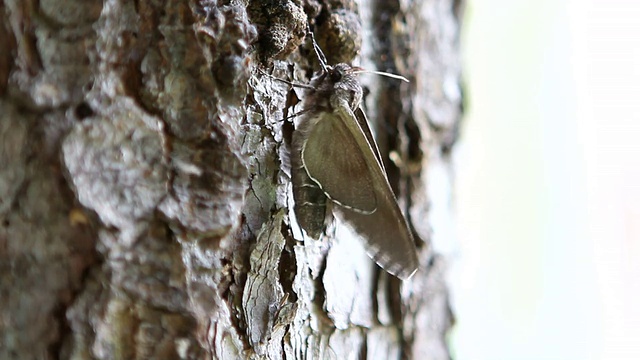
x,y
349,92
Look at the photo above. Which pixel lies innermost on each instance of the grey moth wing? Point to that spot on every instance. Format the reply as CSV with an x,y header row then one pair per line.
x,y
385,231
364,125
332,158
311,201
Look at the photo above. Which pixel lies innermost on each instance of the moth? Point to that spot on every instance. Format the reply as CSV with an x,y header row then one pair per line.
x,y
335,158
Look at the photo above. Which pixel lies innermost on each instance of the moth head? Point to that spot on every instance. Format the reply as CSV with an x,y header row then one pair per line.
x,y
338,72
344,84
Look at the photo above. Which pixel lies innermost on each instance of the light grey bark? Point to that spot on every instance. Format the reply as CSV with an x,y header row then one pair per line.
x,y
145,200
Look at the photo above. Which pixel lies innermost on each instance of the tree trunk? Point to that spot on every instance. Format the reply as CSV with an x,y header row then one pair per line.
x,y
145,195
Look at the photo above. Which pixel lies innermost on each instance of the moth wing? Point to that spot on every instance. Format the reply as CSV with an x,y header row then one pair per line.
x,y
334,160
387,238
364,125
386,233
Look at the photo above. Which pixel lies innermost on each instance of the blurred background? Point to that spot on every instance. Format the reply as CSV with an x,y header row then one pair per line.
x,y
547,179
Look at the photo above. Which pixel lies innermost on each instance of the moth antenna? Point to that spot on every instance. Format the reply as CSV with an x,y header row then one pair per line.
x,y
304,86
381,73
304,111
321,58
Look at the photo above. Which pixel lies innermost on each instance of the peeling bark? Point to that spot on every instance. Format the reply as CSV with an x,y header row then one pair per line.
x,y
145,197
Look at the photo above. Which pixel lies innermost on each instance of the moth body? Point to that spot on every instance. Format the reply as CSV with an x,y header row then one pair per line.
x,y
335,157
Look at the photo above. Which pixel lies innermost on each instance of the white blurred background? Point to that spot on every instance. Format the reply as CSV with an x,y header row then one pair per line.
x,y
548,182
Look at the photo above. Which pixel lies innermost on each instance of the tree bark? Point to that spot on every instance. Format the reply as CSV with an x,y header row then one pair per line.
x,y
145,195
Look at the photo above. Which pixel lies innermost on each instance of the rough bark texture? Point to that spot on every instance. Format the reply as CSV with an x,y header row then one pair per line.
x,y
145,200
